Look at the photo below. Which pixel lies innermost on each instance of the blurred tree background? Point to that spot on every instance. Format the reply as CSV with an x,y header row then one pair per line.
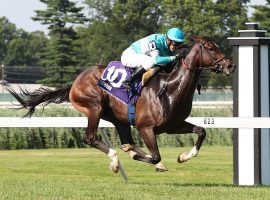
x,y
262,15
97,32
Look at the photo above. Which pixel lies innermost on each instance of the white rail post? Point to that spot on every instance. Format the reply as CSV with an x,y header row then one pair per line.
x,y
251,99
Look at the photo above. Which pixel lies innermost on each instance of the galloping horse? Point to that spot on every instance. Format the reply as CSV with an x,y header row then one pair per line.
x,y
163,106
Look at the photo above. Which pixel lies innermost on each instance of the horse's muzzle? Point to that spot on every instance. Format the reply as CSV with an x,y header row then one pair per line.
x,y
229,69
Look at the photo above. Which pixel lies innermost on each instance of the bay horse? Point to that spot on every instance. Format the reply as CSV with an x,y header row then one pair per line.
x,y
163,106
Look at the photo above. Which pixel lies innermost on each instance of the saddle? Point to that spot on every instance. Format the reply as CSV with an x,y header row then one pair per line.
x,y
113,76
111,82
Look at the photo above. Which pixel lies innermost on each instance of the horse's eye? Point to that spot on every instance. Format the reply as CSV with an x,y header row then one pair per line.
x,y
211,49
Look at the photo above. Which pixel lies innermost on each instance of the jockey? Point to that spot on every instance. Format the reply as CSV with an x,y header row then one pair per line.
x,y
156,49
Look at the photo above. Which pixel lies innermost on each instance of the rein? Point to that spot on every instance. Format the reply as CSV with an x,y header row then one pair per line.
x,y
164,87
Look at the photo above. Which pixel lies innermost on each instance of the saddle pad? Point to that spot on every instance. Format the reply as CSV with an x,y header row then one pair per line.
x,y
111,82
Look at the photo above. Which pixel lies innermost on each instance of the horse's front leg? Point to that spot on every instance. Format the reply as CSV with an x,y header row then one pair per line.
x,y
150,141
191,128
133,150
128,144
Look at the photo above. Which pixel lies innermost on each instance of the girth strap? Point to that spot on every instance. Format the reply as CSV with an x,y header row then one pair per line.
x,y
132,114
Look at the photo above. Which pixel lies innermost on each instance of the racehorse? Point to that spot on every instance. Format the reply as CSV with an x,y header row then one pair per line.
x,y
163,105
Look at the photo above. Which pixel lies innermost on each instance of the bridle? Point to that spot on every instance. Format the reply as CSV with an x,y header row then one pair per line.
x,y
216,65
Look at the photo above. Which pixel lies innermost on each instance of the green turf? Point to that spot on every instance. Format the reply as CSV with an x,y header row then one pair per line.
x,y
83,174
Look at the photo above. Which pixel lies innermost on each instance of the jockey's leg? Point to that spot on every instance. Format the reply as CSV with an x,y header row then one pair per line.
x,y
140,61
138,73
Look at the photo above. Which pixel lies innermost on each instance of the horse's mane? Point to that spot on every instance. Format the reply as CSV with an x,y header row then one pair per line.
x,y
181,53
185,49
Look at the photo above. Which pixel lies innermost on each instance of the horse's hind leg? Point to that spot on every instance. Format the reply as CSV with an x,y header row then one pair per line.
x,y
90,139
128,145
191,128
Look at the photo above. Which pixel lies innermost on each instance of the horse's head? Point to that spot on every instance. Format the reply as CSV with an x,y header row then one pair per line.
x,y
207,55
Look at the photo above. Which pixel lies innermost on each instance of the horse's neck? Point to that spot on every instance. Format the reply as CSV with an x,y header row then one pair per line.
x,y
186,84
182,86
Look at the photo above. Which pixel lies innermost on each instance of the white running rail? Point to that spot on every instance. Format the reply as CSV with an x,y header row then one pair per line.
x,y
206,122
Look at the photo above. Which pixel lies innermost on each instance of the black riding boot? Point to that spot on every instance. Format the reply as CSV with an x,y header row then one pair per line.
x,y
138,72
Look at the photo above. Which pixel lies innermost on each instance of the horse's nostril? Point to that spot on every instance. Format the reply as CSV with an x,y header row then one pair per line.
x,y
231,66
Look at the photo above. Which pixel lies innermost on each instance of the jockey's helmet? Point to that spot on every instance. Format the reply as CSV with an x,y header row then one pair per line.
x,y
176,35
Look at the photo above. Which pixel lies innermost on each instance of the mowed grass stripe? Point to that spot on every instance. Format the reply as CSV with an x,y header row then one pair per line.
x,y
84,174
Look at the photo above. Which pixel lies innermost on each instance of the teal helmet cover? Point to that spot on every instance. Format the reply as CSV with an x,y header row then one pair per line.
x,y
176,35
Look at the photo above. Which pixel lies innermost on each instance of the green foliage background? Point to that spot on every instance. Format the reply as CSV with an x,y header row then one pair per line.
x,y
44,138
97,32
262,15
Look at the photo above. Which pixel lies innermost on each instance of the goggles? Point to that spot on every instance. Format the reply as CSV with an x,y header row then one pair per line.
x,y
176,44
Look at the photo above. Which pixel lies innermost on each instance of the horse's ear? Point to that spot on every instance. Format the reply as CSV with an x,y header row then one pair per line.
x,y
193,38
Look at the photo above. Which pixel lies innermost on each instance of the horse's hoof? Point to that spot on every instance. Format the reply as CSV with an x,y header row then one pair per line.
x,y
181,158
160,167
114,168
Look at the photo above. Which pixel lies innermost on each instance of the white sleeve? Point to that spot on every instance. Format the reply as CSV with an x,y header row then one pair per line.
x,y
154,53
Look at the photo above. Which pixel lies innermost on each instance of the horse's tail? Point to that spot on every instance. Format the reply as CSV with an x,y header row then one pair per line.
x,y
29,100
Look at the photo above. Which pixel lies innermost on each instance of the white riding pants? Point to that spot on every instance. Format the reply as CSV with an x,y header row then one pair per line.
x,y
132,59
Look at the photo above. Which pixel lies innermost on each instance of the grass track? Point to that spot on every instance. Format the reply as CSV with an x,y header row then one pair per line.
x,y
83,174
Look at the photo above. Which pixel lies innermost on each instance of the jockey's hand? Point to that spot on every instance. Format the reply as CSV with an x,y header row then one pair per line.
x,y
178,57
